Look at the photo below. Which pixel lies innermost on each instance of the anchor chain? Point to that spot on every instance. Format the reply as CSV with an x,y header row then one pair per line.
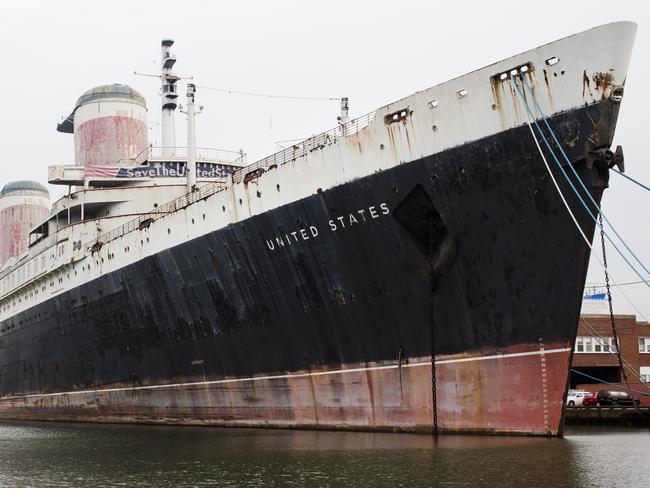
x,y
432,286
611,315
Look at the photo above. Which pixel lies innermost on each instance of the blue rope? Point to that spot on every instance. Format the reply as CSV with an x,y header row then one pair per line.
x,y
608,383
566,176
631,179
566,158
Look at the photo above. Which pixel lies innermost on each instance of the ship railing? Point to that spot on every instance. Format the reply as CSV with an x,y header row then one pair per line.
x,y
179,153
305,147
145,220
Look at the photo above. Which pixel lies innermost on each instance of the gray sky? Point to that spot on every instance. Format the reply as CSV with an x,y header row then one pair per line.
x,y
373,52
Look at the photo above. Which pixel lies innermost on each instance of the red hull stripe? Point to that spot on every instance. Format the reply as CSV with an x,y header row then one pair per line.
x,y
293,375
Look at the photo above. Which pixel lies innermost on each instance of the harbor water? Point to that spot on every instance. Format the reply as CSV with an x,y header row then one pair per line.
x,y
88,455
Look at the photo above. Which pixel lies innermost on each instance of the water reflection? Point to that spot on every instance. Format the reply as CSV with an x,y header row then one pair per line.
x,y
67,455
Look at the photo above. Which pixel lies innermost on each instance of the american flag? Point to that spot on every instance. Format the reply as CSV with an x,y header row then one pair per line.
x,y
101,171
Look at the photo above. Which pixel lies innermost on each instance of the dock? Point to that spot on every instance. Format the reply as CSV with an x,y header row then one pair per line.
x,y
610,415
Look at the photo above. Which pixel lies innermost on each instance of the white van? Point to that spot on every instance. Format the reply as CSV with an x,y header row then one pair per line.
x,y
575,397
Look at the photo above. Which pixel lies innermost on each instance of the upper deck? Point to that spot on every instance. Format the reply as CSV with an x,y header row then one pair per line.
x,y
106,197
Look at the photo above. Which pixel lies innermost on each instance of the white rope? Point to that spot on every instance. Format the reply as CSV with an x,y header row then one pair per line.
x,y
568,209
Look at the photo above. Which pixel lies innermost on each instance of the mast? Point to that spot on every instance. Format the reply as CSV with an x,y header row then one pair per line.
x,y
169,96
345,111
191,138
344,118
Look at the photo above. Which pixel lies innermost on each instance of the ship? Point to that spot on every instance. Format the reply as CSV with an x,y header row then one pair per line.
x,y
411,270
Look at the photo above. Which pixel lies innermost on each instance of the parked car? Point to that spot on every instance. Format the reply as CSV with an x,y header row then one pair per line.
x,y
590,401
575,398
613,397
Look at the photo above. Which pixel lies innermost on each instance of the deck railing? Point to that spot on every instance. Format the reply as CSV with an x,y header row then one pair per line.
x,y
180,153
145,220
305,147
292,153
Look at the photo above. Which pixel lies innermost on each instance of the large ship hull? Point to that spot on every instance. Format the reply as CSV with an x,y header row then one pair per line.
x,y
325,312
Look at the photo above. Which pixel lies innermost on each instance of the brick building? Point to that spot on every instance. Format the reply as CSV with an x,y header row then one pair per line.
x,y
594,354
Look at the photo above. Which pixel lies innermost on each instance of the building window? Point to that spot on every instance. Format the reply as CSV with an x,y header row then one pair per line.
x,y
644,373
586,344
644,344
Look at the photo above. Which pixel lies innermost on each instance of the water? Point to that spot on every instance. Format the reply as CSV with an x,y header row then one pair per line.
x,y
72,455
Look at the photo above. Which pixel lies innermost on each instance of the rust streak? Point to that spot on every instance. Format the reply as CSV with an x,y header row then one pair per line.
x,y
546,79
585,83
602,82
496,93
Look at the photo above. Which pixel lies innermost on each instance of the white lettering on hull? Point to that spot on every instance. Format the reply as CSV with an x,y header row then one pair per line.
x,y
339,223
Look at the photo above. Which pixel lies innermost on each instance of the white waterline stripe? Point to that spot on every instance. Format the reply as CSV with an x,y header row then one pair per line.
x,y
286,376
503,356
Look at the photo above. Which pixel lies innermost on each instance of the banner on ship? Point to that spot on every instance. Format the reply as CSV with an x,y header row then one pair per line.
x,y
159,170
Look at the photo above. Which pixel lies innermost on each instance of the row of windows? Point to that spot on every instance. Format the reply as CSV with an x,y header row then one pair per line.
x,y
41,283
606,344
595,344
30,269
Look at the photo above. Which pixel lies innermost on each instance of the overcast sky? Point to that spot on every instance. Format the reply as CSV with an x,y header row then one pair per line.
x,y
373,52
